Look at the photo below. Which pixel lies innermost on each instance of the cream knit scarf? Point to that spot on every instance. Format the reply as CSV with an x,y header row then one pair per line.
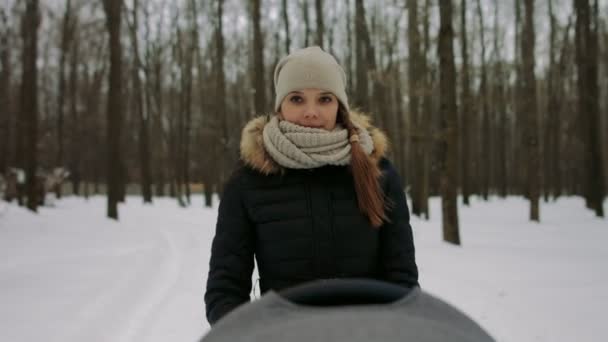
x,y
298,147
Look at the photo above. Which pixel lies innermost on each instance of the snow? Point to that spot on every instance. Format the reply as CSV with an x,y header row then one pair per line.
x,y
70,274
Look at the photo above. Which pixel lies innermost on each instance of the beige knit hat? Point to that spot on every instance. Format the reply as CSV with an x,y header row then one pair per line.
x,y
310,67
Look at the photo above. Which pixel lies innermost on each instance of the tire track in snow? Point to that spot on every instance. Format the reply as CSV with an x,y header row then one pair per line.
x,y
35,260
172,266
152,273
178,315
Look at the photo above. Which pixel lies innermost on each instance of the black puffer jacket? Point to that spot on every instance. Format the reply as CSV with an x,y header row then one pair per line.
x,y
303,225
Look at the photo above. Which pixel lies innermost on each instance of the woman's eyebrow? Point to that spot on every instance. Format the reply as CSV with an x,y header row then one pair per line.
x,y
320,94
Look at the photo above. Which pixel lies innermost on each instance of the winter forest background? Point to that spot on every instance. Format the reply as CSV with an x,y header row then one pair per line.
x,y
478,97
497,113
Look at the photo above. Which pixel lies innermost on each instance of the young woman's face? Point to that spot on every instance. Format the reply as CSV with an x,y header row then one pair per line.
x,y
311,108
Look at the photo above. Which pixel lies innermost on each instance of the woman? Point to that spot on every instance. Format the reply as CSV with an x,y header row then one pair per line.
x,y
314,198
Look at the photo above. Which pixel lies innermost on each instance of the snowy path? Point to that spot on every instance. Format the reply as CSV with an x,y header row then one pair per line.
x,y
78,277
69,274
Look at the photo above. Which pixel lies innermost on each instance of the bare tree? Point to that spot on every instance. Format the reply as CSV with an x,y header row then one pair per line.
x,y
182,83
154,71
115,106
332,27
174,107
319,16
94,71
551,122
500,127
306,18
516,104
285,14
211,119
259,90
563,67
349,43
75,138
361,56
427,112
220,86
466,106
484,132
449,136
67,34
6,115
188,101
588,107
140,108
529,106
29,97
415,86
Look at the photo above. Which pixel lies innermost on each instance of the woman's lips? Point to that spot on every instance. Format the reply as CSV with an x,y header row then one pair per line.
x,y
313,126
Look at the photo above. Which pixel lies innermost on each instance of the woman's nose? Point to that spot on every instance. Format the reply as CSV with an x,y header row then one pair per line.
x,y
312,112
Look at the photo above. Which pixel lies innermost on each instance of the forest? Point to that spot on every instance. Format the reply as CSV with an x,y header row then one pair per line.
x,y
478,98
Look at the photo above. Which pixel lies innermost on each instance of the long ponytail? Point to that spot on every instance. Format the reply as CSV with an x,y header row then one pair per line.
x,y
366,175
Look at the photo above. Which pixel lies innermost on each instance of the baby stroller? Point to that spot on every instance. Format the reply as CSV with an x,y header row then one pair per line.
x,y
353,310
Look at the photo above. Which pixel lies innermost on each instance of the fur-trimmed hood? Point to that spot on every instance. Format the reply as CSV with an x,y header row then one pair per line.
x,y
255,156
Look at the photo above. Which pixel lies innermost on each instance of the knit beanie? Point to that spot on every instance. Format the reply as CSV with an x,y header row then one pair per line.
x,y
310,67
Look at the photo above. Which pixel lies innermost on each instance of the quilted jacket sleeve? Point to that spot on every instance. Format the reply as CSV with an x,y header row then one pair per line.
x,y
231,264
397,252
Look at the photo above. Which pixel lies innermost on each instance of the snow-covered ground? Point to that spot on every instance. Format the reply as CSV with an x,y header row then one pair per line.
x,y
69,274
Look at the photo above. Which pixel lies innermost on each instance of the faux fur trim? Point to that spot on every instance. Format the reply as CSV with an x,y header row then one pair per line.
x,y
255,156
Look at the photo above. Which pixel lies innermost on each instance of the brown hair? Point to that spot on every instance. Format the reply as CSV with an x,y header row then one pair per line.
x,y
366,174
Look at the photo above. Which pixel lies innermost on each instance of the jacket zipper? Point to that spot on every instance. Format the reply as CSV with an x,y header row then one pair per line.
x,y
332,232
312,226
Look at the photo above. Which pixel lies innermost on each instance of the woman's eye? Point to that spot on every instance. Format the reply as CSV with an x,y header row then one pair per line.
x,y
296,99
326,99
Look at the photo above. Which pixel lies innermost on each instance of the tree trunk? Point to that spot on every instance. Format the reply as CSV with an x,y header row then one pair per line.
x,y
365,62
142,115
220,86
29,98
394,100
552,118
67,34
529,107
605,114
448,113
588,91
211,132
114,109
75,124
306,18
484,132
415,87
92,97
427,113
319,17
501,135
466,112
6,115
561,78
192,45
174,107
519,144
285,14
349,45
157,71
181,94
259,86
